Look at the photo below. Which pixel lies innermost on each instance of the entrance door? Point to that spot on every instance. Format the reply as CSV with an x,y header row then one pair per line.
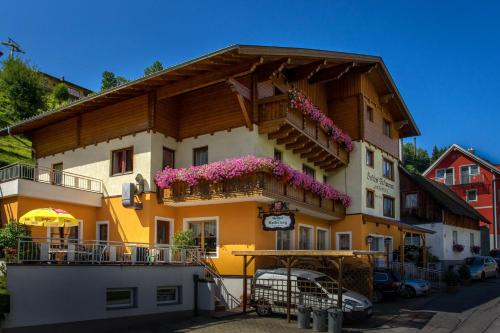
x,y
163,232
102,234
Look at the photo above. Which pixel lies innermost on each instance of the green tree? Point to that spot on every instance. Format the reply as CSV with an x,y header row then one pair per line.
x,y
58,96
155,67
10,233
110,80
437,152
22,89
415,161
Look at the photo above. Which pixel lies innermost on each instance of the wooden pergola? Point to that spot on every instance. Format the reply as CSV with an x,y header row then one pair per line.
x,y
289,258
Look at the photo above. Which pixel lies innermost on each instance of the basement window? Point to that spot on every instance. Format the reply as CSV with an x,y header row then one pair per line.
x,y
122,161
168,295
120,298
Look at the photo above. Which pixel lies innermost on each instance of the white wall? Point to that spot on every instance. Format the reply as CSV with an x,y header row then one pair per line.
x,y
50,294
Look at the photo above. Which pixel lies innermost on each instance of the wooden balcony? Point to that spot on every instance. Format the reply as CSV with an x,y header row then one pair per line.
x,y
259,185
299,133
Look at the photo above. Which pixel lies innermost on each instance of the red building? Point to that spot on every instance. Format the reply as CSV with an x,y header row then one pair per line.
x,y
474,179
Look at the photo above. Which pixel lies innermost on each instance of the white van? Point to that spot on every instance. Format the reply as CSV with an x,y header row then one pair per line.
x,y
310,288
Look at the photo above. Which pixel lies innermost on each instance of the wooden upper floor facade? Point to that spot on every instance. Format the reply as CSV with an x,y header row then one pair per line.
x,y
224,90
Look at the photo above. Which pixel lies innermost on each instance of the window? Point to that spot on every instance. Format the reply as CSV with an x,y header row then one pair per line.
x,y
200,156
122,162
388,169
369,113
370,158
377,243
305,237
446,175
455,237
411,200
120,298
168,158
163,232
278,155
386,128
205,235
388,206
474,169
102,231
370,198
343,241
472,243
472,195
309,171
57,174
467,172
168,295
284,239
321,239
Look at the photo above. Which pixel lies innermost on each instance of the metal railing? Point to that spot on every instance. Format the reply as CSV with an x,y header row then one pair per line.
x,y
411,271
69,251
50,176
221,293
471,179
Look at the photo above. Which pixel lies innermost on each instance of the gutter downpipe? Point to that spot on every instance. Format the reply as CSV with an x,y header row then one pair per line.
x,y
33,150
495,217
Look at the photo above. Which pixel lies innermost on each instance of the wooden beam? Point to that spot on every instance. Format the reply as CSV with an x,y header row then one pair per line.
x,y
297,144
281,133
151,108
331,73
364,69
239,88
384,99
204,80
321,157
271,68
305,71
289,139
326,162
313,152
280,84
306,148
245,111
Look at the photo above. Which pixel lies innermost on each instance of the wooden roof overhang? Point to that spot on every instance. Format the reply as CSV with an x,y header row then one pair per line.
x,y
399,224
307,253
233,62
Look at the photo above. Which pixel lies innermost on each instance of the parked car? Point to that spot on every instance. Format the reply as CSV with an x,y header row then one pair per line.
x,y
482,267
388,282
311,288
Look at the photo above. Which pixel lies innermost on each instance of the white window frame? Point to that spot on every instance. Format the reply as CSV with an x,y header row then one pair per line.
x,y
185,226
337,239
292,239
469,167
453,233
378,236
444,178
467,195
472,239
80,231
133,299
311,227
170,231
177,296
97,235
391,249
327,237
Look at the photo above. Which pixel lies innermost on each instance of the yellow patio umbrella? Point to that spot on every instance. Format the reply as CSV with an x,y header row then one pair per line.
x,y
49,217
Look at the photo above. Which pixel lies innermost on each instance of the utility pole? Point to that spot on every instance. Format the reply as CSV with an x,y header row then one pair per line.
x,y
14,47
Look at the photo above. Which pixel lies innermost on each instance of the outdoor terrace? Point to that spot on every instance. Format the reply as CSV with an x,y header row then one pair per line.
x,y
299,133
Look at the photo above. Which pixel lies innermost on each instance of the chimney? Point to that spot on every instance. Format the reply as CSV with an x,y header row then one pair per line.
x,y
472,151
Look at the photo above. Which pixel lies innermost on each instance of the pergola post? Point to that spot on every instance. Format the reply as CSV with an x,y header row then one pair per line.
x,y
288,288
339,299
402,252
424,252
245,296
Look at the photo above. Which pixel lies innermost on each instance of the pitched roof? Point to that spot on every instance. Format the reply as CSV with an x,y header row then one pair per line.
x,y
445,196
482,161
215,67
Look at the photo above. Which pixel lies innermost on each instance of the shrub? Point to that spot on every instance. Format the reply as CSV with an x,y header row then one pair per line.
x,y
4,302
184,238
458,247
475,249
464,272
10,233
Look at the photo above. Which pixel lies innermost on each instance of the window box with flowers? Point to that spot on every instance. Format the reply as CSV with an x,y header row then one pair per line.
x,y
475,249
458,248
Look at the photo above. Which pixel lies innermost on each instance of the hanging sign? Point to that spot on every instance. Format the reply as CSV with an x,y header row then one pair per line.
x,y
279,217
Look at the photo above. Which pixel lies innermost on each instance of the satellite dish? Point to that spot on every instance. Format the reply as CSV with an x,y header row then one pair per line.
x,y
140,183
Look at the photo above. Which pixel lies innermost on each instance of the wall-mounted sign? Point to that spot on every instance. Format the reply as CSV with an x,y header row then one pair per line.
x,y
279,217
274,221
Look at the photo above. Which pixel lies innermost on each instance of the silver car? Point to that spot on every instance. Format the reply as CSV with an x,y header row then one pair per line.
x,y
482,267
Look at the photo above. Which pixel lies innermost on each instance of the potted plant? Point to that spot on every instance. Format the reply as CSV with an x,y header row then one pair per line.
x,y
458,247
464,274
451,280
475,249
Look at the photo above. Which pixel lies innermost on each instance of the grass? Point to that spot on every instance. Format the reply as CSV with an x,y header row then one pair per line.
x,y
13,151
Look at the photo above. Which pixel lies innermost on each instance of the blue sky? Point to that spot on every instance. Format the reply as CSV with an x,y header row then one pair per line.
x,y
443,55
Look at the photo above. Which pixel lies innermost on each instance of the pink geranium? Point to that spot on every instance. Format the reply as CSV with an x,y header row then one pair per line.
x,y
299,101
241,166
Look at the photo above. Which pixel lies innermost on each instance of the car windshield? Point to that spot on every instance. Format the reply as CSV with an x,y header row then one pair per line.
x,y
474,261
329,284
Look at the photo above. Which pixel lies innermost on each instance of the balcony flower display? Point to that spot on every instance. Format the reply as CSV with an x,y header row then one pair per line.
x,y
300,102
458,247
241,166
475,249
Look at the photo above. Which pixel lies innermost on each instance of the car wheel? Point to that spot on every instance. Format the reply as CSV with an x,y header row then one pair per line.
x,y
409,292
377,296
263,308
483,276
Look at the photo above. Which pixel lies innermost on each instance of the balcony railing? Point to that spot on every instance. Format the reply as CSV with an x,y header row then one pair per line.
x,y
299,133
74,251
257,184
50,176
462,180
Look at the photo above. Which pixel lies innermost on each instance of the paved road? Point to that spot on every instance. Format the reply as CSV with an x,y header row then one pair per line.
x,y
474,309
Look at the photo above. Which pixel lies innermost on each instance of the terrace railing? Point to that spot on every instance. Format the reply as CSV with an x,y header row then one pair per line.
x,y
50,176
74,251
413,272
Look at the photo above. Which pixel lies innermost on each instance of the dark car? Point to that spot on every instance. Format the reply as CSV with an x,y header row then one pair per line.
x,y
385,282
